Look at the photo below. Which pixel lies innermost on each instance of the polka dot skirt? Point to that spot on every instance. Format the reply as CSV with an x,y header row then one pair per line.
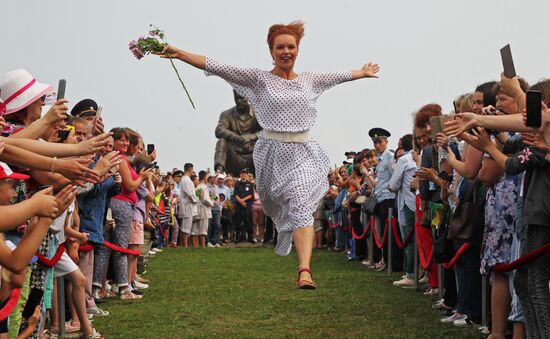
x,y
291,177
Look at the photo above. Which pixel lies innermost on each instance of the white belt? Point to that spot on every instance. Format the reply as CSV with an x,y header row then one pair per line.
x,y
286,136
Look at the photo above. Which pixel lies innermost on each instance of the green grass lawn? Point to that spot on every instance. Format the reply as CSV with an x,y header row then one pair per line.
x,y
250,292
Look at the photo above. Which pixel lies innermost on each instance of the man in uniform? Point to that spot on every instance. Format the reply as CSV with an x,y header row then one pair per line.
x,y
244,196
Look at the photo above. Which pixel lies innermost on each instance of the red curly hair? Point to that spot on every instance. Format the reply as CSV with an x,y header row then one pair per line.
x,y
295,28
422,117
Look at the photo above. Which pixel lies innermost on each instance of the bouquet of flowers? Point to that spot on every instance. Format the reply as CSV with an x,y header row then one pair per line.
x,y
155,43
213,196
199,192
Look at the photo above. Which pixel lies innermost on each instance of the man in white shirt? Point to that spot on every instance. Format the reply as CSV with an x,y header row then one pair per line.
x,y
188,204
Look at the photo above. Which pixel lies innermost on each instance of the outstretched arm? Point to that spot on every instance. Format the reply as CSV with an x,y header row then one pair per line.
x,y
196,60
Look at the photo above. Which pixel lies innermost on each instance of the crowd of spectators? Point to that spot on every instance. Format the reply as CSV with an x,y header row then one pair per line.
x,y
466,194
88,206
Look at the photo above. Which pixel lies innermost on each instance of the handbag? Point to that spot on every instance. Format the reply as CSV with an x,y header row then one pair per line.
x,y
361,199
369,206
442,246
468,220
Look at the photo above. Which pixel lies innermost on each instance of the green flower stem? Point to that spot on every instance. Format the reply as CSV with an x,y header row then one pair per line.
x,y
181,81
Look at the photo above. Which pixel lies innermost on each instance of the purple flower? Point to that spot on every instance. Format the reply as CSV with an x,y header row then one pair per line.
x,y
136,50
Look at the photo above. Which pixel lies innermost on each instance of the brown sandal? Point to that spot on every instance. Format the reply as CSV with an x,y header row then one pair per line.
x,y
305,284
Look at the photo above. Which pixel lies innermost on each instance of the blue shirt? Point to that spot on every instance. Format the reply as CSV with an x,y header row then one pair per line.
x,y
401,182
384,171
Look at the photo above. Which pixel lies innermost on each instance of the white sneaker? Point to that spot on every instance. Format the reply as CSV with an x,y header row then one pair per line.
x,y
210,245
151,252
453,318
157,250
405,282
140,286
464,322
432,291
217,245
114,289
96,311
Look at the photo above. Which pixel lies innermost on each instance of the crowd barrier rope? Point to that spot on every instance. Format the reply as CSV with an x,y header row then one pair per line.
x,y
121,249
466,246
380,243
55,259
9,306
426,259
526,259
401,244
365,231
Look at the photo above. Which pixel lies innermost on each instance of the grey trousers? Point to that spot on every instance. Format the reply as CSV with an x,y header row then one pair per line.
x,y
123,213
532,285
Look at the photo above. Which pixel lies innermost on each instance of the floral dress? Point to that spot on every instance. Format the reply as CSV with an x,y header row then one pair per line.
x,y
291,177
500,218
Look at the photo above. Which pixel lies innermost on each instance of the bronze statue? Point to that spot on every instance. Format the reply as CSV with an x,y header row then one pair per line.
x,y
237,132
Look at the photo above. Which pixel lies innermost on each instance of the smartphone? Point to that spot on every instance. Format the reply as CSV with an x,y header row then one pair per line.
x,y
533,109
96,118
150,148
35,296
61,90
63,134
507,61
454,105
437,123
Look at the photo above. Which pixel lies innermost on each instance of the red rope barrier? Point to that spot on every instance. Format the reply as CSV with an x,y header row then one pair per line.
x,y
529,257
426,259
355,236
10,304
121,249
466,246
333,225
54,260
380,243
86,248
397,238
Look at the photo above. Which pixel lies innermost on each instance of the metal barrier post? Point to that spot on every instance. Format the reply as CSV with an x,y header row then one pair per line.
x,y
61,306
441,276
484,303
416,264
371,240
390,240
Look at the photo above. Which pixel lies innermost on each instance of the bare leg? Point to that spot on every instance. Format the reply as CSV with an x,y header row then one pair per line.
x,y
202,240
79,298
303,241
70,301
132,264
500,305
519,330
185,240
319,236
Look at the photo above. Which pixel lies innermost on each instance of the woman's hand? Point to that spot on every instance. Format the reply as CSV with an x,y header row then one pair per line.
x,y
59,111
98,127
535,140
489,110
2,146
442,140
168,52
93,145
76,170
46,203
64,198
107,162
450,154
83,238
460,123
481,140
427,174
370,70
2,123
510,87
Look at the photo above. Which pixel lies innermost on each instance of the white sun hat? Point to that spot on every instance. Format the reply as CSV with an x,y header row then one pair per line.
x,y
19,89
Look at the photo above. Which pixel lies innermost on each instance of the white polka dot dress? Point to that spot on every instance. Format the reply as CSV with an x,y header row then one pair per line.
x,y
291,177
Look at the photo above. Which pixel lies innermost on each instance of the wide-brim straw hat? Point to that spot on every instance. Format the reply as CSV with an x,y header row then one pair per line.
x,y
19,89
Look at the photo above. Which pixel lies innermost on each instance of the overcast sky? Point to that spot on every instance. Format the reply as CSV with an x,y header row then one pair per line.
x,y
429,51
